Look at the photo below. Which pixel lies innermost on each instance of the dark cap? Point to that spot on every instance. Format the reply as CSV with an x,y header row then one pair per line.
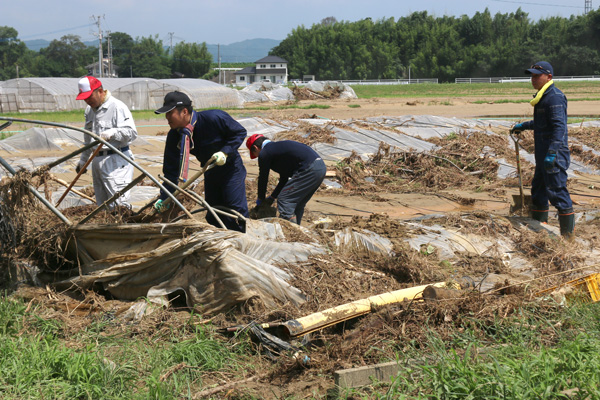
x,y
172,100
542,67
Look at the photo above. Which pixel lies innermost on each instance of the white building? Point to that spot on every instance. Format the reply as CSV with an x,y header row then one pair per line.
x,y
269,69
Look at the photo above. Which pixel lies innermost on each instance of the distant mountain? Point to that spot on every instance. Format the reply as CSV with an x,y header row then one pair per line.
x,y
245,51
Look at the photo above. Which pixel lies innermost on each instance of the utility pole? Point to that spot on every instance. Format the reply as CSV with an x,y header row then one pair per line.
x,y
100,62
171,42
588,6
109,53
219,60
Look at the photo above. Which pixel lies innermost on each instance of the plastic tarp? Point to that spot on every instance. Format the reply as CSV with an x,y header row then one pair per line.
x,y
263,92
363,241
209,265
322,86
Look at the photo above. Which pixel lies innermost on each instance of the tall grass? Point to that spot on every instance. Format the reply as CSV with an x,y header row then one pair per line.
x,y
40,359
530,356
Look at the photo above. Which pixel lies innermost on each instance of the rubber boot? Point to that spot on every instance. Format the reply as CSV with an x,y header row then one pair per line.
x,y
566,220
540,215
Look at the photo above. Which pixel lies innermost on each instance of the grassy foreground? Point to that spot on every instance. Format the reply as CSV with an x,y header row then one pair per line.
x,y
546,352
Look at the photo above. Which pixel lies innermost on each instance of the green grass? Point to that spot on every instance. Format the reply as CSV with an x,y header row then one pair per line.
x,y
445,90
40,359
532,355
539,352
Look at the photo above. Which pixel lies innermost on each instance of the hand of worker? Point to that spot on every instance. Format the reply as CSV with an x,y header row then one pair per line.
x,y
268,201
549,161
517,128
220,158
107,134
160,206
79,167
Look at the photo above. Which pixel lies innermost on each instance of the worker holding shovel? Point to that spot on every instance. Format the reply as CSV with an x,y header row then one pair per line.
x,y
552,157
301,172
110,119
212,136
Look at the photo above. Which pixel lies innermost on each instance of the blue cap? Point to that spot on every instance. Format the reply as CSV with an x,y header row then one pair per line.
x,y
542,67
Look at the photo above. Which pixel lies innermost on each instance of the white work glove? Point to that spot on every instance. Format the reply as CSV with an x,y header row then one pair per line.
x,y
111,134
220,158
107,134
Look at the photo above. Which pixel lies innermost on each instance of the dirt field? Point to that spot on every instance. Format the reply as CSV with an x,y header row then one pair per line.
x,y
468,203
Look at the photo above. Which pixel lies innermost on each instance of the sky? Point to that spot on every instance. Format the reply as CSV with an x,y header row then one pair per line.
x,y
229,21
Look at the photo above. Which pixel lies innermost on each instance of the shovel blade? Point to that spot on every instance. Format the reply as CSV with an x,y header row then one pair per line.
x,y
518,205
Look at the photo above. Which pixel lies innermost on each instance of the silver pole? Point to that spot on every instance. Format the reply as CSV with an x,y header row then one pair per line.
x,y
110,146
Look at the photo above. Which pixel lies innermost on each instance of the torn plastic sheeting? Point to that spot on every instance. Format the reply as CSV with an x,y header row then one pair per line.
x,y
366,142
52,139
260,126
447,241
32,163
154,260
365,241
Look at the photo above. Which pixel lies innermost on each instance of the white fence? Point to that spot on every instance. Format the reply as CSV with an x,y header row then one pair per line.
x,y
525,79
389,81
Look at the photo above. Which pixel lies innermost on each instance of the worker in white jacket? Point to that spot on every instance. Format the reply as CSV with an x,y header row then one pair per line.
x,y
110,119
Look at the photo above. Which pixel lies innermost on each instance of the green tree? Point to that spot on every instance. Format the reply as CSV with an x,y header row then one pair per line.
x,y
191,59
148,58
66,57
12,51
122,45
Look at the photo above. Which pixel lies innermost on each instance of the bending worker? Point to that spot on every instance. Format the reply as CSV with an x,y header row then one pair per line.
x,y
209,135
301,172
552,158
110,119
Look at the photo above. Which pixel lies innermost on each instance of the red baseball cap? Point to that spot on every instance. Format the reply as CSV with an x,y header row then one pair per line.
x,y
87,85
250,141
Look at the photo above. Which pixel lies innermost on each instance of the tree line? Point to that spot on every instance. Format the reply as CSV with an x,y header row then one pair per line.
x,y
443,47
429,47
69,56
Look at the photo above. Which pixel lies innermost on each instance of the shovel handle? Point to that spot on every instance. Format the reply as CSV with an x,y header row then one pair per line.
x,y
81,171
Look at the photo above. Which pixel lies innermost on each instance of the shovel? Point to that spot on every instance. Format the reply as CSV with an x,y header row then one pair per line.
x,y
519,202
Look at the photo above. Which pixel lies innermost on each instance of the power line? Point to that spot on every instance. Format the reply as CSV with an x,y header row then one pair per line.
x,y
59,31
537,4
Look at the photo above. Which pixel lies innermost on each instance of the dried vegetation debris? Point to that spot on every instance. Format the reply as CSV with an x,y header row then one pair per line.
x,y
467,160
330,92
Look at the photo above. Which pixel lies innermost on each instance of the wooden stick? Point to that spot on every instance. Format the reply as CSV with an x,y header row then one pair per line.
x,y
81,171
65,184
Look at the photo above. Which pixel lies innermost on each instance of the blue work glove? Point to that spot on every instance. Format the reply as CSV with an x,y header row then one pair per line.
x,y
160,206
517,128
268,201
549,161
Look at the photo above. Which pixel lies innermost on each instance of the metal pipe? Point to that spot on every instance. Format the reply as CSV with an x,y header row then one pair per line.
x,y
105,143
199,199
65,158
112,198
37,194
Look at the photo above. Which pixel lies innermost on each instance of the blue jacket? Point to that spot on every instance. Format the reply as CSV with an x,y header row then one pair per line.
x,y
285,157
550,127
214,131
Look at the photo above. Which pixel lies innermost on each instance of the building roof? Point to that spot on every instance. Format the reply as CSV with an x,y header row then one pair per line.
x,y
269,59
246,71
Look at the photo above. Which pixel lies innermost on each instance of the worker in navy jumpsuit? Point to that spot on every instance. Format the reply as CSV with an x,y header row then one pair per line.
x,y
552,157
301,172
214,132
